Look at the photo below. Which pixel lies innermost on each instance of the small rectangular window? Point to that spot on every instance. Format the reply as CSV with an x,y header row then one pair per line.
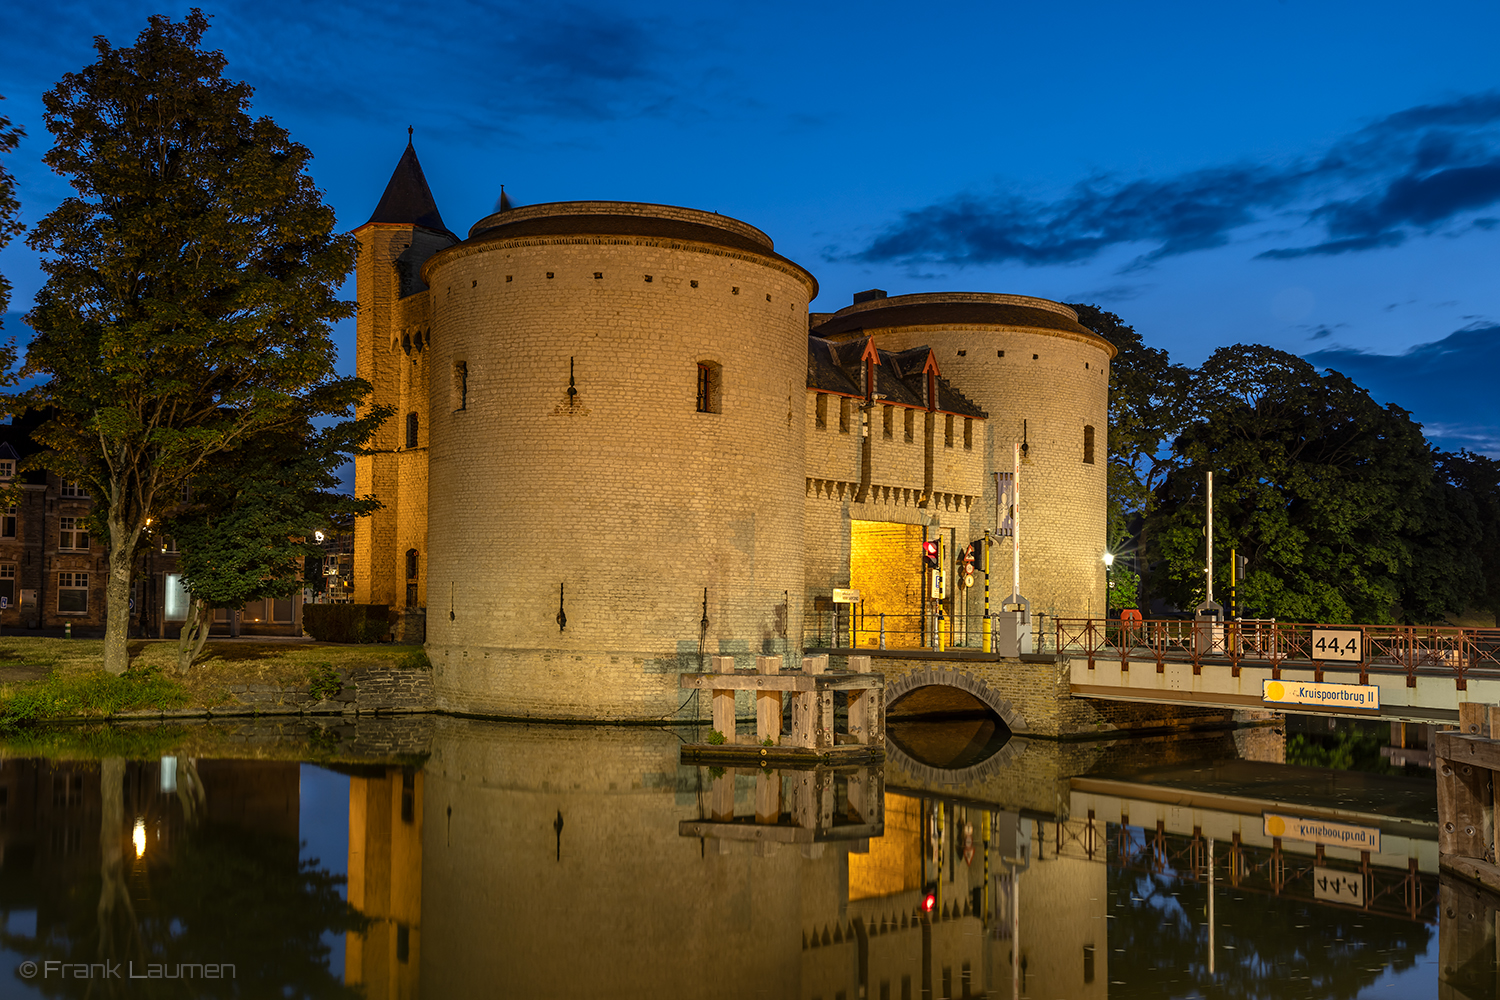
x,y
911,424
1088,963
73,488
1088,445
7,468
821,410
412,427
968,433
8,523
889,418
72,534
73,593
947,430
844,408
8,584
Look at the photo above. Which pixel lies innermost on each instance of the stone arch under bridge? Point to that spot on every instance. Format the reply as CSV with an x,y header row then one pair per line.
x,y
900,686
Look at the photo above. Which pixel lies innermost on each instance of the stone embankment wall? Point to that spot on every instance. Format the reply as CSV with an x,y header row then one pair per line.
x,y
364,691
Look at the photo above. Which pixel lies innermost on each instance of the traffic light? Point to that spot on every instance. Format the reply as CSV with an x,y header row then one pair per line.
x,y
929,898
1241,568
930,553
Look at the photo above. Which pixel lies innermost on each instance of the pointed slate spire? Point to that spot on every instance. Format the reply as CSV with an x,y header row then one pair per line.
x,y
408,200
504,204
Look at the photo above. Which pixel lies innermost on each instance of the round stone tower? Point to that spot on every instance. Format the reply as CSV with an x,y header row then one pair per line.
x,y
616,457
1044,380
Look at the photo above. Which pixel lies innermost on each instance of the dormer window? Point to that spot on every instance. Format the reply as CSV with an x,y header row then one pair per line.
x,y
7,468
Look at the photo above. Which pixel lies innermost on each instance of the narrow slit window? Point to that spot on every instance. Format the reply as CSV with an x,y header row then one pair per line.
x,y
1088,445
911,425
411,430
820,419
460,390
710,387
889,422
844,416
947,430
968,433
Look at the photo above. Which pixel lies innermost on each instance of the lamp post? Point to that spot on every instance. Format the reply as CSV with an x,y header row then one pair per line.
x,y
1109,560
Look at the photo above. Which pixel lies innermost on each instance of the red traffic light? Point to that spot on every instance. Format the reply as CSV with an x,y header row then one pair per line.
x,y
929,902
930,553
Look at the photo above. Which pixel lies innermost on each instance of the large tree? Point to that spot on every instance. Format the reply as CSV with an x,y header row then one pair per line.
x,y
1334,498
249,522
191,285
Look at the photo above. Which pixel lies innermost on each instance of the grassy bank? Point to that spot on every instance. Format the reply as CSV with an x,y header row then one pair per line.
x,y
44,679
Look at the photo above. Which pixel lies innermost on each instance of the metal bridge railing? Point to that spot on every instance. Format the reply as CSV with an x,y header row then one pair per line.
x,y
1411,649
849,626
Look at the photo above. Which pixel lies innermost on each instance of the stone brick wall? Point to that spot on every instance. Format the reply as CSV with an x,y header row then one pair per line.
x,y
618,504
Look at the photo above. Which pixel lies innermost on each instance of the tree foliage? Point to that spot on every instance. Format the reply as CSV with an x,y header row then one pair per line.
x,y
1334,499
10,227
248,526
191,282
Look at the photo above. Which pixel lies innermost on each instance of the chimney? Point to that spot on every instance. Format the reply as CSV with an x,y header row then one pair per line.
x,y
869,296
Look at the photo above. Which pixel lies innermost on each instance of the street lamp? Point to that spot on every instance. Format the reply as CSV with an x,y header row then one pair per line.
x,y
1109,560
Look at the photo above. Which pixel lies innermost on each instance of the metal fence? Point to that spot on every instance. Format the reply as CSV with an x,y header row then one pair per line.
x,y
1411,649
848,626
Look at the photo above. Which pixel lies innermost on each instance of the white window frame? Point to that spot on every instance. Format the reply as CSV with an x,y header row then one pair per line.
x,y
70,531
74,488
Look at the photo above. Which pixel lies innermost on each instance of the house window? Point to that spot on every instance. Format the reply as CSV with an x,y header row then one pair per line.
x,y
73,593
8,523
8,584
911,423
1088,445
73,488
459,394
889,419
169,545
968,433
844,408
411,430
411,564
73,534
710,387
947,430
7,468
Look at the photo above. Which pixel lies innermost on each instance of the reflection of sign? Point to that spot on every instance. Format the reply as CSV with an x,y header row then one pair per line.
x,y
1335,644
846,597
1339,887
1358,696
1322,831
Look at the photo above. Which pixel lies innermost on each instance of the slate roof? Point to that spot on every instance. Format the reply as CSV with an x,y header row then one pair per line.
x,y
900,377
408,200
620,225
949,314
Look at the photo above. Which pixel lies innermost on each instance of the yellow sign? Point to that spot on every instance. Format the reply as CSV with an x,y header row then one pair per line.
x,y
1322,831
846,597
1364,697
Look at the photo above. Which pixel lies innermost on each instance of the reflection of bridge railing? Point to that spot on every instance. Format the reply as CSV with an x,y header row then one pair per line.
x,y
1408,893
1411,649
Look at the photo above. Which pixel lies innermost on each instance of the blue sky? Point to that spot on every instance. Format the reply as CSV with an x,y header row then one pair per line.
x,y
1320,177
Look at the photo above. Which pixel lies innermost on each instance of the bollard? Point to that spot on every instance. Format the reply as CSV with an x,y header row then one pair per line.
x,y
68,630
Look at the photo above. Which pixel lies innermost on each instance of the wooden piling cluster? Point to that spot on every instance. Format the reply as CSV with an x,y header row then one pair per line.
x,y
813,733
1467,761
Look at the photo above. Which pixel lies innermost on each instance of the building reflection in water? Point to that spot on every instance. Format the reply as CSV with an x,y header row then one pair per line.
x,y
385,881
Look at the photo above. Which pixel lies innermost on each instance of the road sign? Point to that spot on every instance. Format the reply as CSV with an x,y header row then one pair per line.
x,y
1336,644
1338,887
846,597
1321,831
1356,696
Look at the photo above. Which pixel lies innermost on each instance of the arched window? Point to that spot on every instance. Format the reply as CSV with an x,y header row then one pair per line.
x,y
1088,445
411,430
710,387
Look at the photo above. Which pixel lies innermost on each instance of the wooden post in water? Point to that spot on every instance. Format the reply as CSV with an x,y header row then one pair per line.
x,y
1468,794
723,700
768,704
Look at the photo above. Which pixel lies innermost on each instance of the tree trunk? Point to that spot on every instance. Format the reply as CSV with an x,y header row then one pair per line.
x,y
114,891
194,633
122,544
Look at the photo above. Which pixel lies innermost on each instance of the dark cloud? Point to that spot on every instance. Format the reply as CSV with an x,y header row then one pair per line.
x,y
1409,173
1448,384
1324,331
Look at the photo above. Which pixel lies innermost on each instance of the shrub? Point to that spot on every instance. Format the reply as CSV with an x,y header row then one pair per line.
x,y
346,622
715,737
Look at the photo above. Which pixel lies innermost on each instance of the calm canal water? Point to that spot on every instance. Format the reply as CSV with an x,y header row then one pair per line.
x,y
448,858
